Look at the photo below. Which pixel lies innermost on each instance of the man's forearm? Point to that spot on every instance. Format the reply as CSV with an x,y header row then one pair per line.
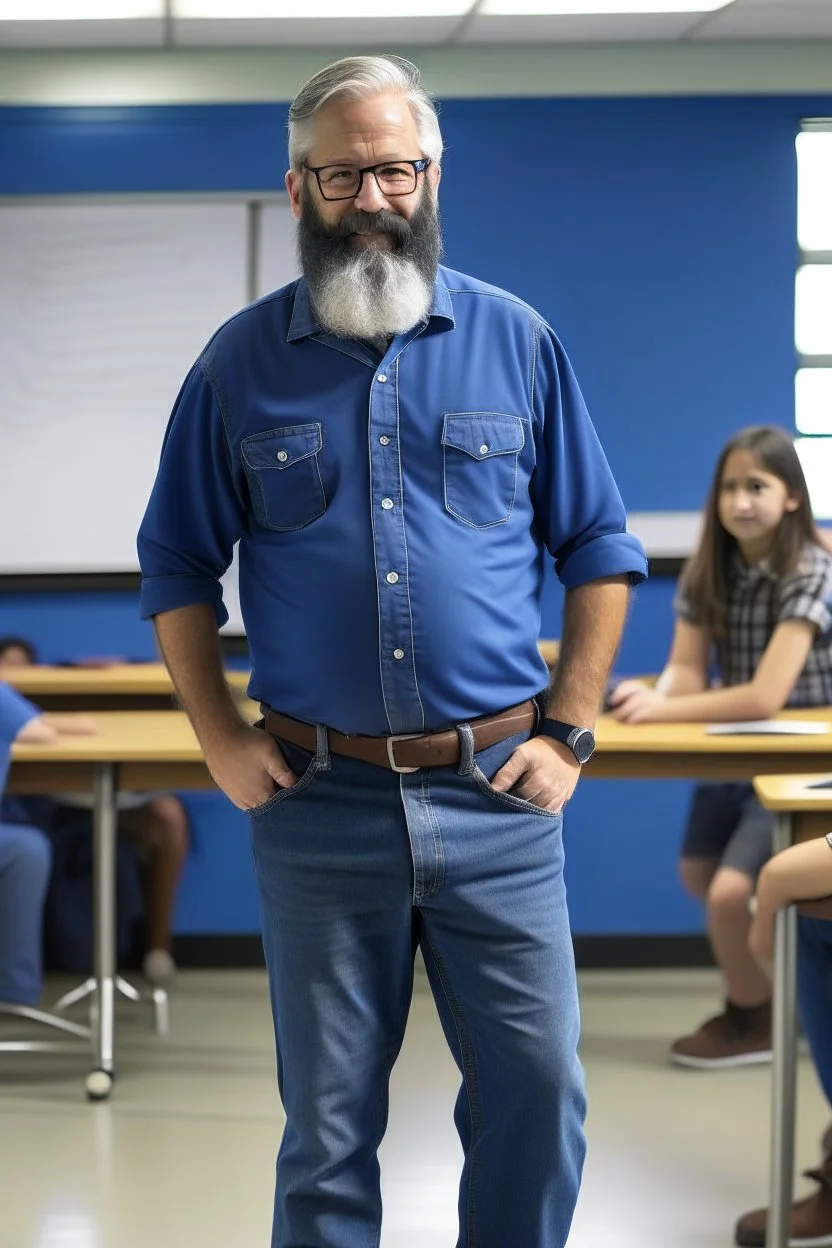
x,y
190,645
593,621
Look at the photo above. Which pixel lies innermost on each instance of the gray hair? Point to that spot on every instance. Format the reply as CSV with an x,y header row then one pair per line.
x,y
352,78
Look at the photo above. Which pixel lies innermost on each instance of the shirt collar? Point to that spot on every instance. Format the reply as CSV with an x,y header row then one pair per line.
x,y
303,323
756,572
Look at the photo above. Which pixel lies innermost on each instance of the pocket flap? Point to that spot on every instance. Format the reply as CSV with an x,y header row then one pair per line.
x,y
483,434
280,448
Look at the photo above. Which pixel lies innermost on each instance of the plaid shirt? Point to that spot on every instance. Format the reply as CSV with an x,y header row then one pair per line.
x,y
757,603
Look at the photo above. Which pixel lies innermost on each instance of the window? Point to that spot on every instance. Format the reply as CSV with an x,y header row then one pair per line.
x,y
813,312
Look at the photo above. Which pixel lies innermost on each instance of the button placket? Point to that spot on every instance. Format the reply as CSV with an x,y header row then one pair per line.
x,y
398,676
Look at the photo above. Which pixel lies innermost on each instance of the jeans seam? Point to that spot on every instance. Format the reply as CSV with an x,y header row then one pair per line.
x,y
437,836
469,1070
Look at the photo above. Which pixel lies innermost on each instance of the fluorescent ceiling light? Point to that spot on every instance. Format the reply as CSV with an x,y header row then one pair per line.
x,y
78,10
319,8
587,8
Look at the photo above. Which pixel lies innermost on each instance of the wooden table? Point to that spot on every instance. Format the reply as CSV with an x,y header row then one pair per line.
x,y
800,813
117,687
689,752
134,750
142,750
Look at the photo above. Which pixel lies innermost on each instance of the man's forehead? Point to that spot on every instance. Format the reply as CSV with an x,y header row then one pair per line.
x,y
380,122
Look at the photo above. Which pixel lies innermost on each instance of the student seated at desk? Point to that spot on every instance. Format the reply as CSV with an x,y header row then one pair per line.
x,y
17,652
157,824
755,601
802,873
25,857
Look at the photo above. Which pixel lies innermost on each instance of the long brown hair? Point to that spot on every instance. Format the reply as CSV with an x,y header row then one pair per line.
x,y
705,578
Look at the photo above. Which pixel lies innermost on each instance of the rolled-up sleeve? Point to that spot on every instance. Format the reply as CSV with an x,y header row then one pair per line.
x,y
578,508
195,513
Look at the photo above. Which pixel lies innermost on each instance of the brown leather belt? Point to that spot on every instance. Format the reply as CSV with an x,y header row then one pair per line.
x,y
406,752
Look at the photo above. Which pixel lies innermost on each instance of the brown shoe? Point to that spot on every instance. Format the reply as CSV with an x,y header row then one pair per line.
x,y
810,1219
737,1037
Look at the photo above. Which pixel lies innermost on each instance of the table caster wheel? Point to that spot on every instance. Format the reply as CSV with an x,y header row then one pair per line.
x,y
99,1085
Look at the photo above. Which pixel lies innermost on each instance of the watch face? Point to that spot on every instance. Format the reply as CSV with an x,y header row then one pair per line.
x,y
583,747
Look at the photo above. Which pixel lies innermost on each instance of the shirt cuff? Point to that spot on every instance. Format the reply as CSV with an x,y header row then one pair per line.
x,y
167,593
15,713
611,554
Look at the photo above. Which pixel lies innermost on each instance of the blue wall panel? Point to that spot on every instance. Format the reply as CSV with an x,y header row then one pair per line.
x,y
657,235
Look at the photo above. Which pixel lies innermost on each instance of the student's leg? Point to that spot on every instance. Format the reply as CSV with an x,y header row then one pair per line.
x,y
162,828
25,862
729,816
810,1220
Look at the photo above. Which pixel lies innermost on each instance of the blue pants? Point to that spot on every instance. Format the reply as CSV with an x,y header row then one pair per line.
x,y
356,866
814,994
25,861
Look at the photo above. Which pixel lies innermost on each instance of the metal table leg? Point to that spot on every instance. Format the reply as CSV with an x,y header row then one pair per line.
x,y
100,1079
784,1072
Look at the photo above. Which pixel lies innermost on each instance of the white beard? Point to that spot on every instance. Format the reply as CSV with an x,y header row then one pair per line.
x,y
374,294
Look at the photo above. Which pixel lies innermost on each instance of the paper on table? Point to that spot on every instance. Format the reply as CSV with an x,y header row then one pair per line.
x,y
770,727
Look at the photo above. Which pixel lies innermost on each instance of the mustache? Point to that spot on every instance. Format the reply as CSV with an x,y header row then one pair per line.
x,y
360,222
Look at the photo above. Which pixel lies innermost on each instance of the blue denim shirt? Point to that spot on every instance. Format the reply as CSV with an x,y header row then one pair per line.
x,y
15,713
396,517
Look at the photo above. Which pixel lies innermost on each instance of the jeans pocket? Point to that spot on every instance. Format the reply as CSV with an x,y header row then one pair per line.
x,y
303,782
509,799
479,464
284,476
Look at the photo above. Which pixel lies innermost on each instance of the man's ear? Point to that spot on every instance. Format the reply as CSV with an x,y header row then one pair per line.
x,y
294,185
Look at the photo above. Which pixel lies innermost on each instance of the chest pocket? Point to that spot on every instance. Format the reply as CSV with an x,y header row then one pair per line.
x,y
480,452
284,476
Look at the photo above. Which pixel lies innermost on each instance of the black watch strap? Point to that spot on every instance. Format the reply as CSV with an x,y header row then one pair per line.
x,y
580,741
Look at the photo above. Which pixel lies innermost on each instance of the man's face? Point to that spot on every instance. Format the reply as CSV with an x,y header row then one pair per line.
x,y
370,261
360,133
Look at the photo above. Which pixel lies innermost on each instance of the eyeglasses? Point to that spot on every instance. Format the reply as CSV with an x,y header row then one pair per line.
x,y
394,178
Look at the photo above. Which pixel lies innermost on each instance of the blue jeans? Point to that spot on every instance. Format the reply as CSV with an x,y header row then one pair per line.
x,y
814,994
25,861
356,867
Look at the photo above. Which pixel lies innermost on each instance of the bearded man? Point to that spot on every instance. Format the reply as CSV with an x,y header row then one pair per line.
x,y
401,451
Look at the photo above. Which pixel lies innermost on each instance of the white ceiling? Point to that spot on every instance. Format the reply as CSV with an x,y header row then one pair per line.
x,y
746,20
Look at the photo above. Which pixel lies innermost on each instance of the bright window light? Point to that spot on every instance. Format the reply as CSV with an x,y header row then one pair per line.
x,y
813,309
208,9
813,400
559,8
78,10
814,190
816,457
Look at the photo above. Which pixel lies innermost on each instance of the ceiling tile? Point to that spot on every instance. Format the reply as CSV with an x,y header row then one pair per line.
x,y
769,19
363,32
603,28
139,32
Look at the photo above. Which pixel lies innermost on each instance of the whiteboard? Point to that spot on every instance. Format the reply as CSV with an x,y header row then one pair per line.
x,y
103,308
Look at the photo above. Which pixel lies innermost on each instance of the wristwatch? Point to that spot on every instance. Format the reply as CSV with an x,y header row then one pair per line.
x,y
581,741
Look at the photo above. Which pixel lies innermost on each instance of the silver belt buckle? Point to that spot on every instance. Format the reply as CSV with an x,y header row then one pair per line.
x,y
391,757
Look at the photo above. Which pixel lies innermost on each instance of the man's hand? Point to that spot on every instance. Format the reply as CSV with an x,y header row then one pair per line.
x,y
542,771
636,703
247,765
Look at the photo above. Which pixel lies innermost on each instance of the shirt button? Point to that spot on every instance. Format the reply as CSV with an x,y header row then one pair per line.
x,y
484,449
282,456
392,577
387,503
398,654
382,377
384,440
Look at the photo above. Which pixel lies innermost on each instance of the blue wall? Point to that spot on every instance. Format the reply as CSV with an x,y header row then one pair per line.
x,y
657,235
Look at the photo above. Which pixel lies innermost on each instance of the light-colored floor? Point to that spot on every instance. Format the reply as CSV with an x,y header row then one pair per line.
x,y
182,1156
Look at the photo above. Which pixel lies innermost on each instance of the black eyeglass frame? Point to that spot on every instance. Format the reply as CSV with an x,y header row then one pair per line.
x,y
419,165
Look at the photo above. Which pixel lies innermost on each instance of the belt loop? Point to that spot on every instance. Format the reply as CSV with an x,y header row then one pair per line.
x,y
466,750
322,758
